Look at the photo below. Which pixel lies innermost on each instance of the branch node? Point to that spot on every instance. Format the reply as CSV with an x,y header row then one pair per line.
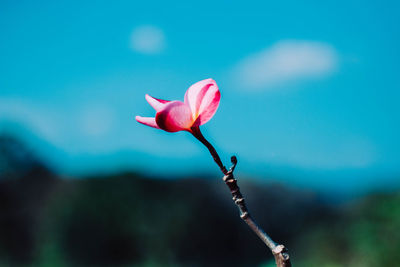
x,y
227,177
281,255
239,201
230,180
244,215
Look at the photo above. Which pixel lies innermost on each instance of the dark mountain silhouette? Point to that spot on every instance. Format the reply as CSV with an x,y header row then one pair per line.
x,y
131,218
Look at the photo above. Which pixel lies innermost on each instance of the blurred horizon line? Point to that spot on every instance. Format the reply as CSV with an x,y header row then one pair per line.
x,y
360,181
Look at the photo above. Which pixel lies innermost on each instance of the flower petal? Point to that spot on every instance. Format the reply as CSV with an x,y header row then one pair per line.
x,y
149,121
203,99
175,116
157,104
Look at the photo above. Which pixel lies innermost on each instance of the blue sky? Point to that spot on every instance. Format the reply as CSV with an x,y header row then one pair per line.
x,y
308,89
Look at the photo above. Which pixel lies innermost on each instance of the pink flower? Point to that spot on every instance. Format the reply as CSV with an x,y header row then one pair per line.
x,y
200,104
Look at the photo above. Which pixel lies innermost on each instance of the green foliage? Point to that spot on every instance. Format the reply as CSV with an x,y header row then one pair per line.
x,y
365,235
132,220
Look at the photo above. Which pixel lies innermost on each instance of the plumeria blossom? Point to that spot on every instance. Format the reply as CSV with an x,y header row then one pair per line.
x,y
200,104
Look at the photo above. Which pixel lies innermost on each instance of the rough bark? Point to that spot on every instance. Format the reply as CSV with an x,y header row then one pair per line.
x,y
280,252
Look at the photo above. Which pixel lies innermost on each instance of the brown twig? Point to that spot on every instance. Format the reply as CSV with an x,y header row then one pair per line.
x,y
197,133
280,252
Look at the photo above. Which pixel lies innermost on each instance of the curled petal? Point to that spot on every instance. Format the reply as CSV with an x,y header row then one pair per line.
x,y
149,121
175,116
203,99
157,104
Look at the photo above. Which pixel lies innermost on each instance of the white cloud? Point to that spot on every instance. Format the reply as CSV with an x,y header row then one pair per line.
x,y
351,153
148,39
286,61
38,120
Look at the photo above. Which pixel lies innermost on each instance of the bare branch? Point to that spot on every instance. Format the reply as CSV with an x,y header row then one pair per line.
x,y
280,252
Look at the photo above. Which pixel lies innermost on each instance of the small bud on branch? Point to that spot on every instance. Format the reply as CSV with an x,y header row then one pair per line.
x,y
200,104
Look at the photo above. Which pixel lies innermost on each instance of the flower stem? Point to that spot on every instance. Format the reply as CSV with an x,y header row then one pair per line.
x,y
280,253
199,136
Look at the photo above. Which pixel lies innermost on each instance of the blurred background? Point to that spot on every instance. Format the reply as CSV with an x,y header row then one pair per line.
x,y
310,106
